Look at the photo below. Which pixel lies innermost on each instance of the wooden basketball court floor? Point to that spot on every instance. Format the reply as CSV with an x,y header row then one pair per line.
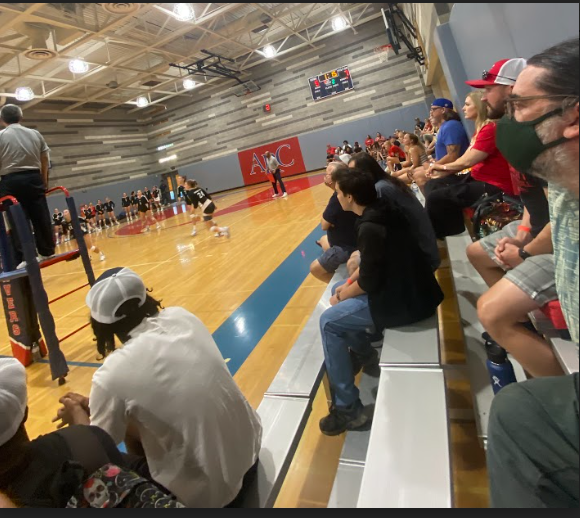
x,y
254,293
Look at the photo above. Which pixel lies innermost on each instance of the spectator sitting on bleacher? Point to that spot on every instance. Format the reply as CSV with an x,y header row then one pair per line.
x,y
419,124
451,141
389,289
41,473
356,148
395,155
524,250
397,192
380,139
330,152
339,225
481,171
416,157
369,142
168,394
533,432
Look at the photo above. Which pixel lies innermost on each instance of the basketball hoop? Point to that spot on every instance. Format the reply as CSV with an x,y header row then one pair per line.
x,y
384,52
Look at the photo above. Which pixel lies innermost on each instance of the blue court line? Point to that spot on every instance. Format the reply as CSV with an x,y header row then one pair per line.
x,y
242,331
70,363
237,337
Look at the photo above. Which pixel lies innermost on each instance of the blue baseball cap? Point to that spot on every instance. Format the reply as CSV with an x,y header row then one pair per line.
x,y
442,103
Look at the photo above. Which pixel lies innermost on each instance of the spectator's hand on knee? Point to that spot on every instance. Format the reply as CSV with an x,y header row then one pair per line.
x,y
510,257
334,300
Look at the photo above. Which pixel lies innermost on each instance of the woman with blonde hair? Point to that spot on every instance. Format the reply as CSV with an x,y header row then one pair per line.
x,y
481,170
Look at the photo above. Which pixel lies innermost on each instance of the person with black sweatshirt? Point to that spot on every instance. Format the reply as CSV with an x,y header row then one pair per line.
x,y
394,286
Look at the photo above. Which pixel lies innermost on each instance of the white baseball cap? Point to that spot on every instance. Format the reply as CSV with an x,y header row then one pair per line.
x,y
112,289
503,72
13,398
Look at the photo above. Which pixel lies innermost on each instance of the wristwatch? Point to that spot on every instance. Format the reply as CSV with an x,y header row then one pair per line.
x,y
524,255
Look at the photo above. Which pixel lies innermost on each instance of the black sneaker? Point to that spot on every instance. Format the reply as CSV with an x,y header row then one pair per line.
x,y
340,421
368,364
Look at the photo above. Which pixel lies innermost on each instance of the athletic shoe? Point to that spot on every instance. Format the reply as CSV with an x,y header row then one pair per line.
x,y
339,421
285,195
146,229
217,234
158,226
226,232
194,232
102,257
275,196
192,215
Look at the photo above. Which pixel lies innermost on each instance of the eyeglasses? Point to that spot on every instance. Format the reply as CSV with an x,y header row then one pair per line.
x,y
433,108
488,75
511,103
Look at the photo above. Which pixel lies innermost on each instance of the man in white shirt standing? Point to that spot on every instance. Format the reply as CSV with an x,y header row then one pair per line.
x,y
168,394
274,174
24,166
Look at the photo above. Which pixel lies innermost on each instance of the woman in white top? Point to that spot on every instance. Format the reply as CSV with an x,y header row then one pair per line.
x,y
167,393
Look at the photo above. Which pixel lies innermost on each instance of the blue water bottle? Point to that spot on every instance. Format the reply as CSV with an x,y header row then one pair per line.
x,y
501,371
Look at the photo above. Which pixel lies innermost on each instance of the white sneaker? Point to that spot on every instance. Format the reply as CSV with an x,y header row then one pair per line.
x,y
217,234
102,257
275,196
158,226
146,229
21,266
192,215
285,195
44,257
194,232
226,232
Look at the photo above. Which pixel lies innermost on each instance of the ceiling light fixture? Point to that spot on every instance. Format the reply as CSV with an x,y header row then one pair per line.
x,y
142,101
24,93
78,66
183,12
189,84
339,23
269,51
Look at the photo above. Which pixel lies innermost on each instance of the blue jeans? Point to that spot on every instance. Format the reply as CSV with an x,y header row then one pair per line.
x,y
344,327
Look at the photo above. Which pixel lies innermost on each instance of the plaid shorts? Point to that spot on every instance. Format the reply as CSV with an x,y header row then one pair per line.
x,y
536,276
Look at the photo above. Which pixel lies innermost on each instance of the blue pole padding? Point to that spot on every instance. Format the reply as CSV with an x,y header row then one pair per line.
x,y
57,361
7,259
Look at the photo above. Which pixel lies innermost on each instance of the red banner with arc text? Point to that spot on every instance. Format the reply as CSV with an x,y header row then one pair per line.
x,y
287,152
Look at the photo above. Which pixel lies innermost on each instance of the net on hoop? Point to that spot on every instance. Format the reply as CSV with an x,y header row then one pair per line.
x,y
384,52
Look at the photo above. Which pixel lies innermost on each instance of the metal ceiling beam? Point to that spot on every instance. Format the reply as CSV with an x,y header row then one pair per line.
x,y
277,20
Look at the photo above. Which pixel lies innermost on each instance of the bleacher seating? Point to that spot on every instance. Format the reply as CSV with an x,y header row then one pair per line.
x,y
286,406
404,460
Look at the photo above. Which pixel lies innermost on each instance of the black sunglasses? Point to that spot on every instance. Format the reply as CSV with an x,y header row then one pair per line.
x,y
488,75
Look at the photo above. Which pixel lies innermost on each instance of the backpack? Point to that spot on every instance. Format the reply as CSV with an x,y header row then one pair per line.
x,y
94,481
492,213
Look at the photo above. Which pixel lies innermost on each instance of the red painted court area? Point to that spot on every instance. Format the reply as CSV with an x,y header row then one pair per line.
x,y
292,186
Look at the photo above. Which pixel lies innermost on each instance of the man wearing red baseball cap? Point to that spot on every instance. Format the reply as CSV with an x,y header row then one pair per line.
x,y
498,82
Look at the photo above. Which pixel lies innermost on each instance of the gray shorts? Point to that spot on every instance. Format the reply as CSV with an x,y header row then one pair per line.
x,y
536,276
333,258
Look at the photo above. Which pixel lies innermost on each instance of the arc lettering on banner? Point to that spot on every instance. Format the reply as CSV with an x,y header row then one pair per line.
x,y
256,163
278,157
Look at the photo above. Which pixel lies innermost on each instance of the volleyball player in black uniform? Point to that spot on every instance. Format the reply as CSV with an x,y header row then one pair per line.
x,y
134,204
57,224
83,222
156,199
126,204
145,213
110,210
100,212
88,214
200,198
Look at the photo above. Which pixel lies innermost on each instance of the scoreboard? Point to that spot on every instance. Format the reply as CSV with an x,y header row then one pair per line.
x,y
335,82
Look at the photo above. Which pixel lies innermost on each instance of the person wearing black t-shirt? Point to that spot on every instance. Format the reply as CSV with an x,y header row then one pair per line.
x,y
340,240
126,204
156,199
145,213
100,212
57,224
200,198
110,210
518,264
87,213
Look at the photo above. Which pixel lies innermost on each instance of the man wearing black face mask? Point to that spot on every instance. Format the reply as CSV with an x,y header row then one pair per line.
x,y
533,428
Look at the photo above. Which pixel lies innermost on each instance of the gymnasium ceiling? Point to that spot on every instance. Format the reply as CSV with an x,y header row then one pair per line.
x,y
129,46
